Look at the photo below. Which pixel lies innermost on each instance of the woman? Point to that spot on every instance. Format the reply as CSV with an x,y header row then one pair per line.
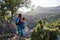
x,y
18,23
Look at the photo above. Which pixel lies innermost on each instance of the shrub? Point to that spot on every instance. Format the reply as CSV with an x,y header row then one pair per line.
x,y
39,33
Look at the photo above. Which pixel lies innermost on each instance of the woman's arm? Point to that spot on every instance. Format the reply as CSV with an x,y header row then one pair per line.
x,y
25,24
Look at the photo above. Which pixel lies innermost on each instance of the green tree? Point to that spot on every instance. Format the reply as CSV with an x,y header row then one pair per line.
x,y
41,33
2,9
13,5
38,32
41,23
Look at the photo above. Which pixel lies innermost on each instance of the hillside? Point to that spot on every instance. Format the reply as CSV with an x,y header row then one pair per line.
x,y
46,13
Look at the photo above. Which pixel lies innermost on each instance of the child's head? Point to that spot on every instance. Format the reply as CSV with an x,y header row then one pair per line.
x,y
23,18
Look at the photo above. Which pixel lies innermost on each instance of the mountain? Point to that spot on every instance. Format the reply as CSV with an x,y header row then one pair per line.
x,y
45,10
51,13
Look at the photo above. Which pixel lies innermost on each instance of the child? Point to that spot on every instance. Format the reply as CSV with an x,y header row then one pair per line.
x,y
26,29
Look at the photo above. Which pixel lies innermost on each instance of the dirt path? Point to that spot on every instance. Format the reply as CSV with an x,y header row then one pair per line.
x,y
18,38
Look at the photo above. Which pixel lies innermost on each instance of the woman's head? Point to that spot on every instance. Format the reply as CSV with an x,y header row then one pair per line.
x,y
20,15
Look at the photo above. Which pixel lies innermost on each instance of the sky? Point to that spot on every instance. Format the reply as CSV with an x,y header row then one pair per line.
x,y
43,3
46,3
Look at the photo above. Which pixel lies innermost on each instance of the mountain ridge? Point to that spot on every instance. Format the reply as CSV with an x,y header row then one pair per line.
x,y
41,10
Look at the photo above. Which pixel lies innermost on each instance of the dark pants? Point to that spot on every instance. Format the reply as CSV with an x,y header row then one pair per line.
x,y
20,32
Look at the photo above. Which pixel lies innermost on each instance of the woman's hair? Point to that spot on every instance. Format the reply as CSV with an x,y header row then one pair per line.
x,y
20,15
20,18
23,18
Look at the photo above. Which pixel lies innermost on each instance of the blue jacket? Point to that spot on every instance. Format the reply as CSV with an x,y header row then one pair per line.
x,y
21,25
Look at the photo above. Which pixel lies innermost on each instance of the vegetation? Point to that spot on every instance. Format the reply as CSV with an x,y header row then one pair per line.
x,y
45,32
12,6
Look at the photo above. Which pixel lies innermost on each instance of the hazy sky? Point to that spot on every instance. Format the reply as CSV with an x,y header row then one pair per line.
x,y
43,3
46,3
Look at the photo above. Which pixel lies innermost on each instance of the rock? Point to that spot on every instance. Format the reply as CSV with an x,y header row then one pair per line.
x,y
7,28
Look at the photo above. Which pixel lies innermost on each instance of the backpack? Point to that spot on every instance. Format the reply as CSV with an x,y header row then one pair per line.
x,y
18,20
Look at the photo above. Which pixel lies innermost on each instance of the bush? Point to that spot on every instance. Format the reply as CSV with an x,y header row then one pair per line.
x,y
39,33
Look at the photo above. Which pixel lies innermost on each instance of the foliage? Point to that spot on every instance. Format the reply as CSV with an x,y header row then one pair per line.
x,y
12,6
46,33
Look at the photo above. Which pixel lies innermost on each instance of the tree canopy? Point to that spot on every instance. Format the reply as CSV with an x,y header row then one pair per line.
x,y
12,5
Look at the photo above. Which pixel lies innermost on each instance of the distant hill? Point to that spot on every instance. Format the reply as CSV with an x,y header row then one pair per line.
x,y
41,10
51,13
